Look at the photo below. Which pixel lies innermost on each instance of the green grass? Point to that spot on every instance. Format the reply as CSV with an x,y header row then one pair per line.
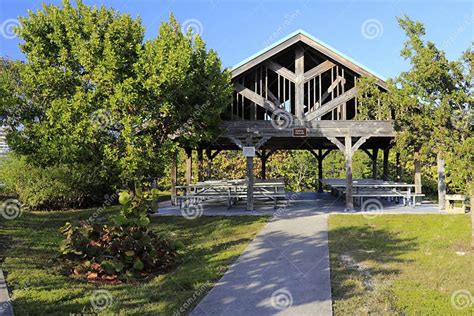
x,y
400,264
30,251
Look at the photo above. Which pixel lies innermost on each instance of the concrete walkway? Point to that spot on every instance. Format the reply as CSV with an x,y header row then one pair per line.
x,y
283,271
6,308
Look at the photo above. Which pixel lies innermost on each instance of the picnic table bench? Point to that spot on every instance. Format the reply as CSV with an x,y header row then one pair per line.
x,y
370,188
230,191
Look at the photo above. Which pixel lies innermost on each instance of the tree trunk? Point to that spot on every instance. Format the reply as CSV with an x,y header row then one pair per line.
x,y
417,163
441,182
189,169
174,180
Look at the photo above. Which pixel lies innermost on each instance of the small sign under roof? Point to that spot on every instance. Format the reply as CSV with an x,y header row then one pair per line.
x,y
248,151
300,132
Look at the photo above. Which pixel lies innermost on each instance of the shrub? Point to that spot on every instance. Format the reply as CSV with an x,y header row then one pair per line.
x,y
123,250
112,253
55,187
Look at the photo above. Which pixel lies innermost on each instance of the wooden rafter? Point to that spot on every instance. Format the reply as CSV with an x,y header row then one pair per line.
x,y
319,69
331,105
255,97
282,71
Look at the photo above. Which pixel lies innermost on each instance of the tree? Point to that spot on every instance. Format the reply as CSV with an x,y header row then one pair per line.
x,y
92,92
432,107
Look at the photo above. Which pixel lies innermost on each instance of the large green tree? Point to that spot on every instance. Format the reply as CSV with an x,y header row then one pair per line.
x,y
91,91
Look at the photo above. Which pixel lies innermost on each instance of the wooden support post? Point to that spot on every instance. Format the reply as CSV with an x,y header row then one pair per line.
x,y
200,165
375,153
399,168
417,163
320,170
299,85
348,159
386,153
249,178
441,182
174,179
189,168
209,163
264,164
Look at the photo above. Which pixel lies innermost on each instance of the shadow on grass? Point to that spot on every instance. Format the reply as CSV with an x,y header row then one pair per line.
x,y
33,239
364,253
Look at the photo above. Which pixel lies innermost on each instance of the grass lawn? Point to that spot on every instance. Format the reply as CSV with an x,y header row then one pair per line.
x,y
30,248
400,264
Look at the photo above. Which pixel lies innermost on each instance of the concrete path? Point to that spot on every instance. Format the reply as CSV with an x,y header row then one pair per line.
x,y
6,308
283,271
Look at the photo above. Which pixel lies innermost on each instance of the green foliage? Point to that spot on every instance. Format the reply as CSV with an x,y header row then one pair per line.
x,y
53,187
432,105
113,252
92,92
123,250
373,103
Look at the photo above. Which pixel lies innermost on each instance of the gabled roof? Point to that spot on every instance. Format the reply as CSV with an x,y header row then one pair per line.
x,y
302,36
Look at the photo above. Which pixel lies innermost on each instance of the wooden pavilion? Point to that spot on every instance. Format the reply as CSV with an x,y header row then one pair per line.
x,y
300,94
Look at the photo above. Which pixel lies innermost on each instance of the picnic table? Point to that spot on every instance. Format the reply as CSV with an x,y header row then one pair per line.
x,y
230,191
372,188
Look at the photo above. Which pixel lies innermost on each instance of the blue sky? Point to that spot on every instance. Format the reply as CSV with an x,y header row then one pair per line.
x,y
366,31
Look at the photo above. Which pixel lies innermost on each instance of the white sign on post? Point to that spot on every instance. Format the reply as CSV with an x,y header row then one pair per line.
x,y
248,151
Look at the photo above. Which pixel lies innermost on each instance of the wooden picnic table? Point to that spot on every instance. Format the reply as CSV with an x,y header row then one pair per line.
x,y
372,188
230,190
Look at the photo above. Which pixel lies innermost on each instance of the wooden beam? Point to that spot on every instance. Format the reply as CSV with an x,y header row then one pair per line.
x,y
282,71
399,167
359,143
386,153
316,128
249,178
174,179
299,84
375,154
262,142
189,168
417,163
441,182
348,160
236,141
254,97
319,69
336,142
331,105
200,165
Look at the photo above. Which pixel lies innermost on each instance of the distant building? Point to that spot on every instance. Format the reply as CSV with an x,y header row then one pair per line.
x,y
3,142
